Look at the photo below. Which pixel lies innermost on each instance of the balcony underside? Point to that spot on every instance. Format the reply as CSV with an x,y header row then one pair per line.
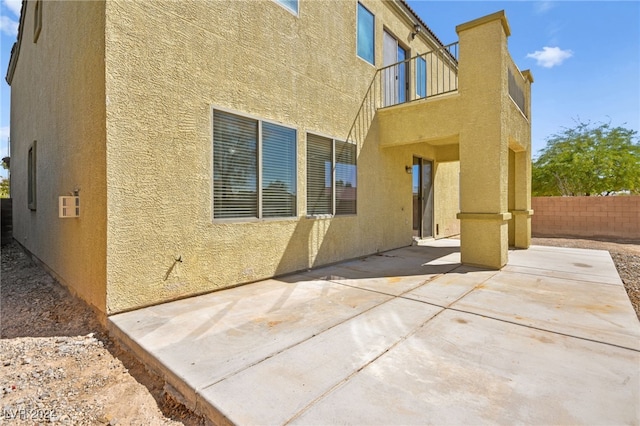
x,y
438,121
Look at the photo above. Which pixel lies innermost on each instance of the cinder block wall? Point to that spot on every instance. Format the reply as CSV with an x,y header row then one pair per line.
x,y
604,217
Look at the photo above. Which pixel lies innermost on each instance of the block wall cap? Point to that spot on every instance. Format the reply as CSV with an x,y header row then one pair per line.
x,y
484,20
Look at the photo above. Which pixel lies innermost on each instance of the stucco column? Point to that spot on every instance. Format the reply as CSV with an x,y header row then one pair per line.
x,y
484,146
522,212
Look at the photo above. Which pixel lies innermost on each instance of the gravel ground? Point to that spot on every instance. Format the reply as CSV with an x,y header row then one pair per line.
x,y
58,364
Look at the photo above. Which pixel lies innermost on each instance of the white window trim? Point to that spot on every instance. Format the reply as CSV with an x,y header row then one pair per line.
x,y
213,109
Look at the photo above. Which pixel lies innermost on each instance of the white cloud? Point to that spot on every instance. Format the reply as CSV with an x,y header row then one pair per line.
x,y
8,26
549,57
13,5
539,6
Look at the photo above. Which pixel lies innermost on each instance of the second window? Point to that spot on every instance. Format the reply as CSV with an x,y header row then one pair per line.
x,y
331,176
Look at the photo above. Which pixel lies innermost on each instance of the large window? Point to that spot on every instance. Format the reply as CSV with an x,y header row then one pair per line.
x,y
292,5
254,168
331,176
366,34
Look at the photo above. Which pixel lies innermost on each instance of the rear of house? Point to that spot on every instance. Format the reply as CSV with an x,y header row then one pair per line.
x,y
218,143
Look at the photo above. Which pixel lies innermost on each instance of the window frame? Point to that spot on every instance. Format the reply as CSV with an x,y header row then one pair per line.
x,y
259,169
373,35
37,20
32,163
334,201
295,12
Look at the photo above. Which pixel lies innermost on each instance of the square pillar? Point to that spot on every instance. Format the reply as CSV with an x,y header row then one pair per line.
x,y
484,239
484,145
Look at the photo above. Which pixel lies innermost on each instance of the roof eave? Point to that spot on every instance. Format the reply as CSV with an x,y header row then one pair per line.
x,y
15,49
421,22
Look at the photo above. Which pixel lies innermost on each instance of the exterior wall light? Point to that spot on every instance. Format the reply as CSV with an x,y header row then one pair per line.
x,y
408,169
416,30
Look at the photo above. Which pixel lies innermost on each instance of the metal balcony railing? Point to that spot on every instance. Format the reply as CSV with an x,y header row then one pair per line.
x,y
430,74
516,87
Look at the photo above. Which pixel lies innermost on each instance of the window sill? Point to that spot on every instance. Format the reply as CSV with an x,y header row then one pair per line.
x,y
239,220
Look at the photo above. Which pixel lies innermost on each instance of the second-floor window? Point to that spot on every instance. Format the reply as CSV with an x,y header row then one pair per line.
x,y
292,5
254,168
365,36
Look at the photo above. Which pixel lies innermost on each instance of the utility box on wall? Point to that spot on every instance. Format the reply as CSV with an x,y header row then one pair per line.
x,y
68,206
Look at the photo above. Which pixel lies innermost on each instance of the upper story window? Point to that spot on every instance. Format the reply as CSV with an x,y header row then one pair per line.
x,y
254,168
366,34
292,5
37,20
331,176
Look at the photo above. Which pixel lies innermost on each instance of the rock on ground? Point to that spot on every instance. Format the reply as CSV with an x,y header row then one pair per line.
x,y
57,363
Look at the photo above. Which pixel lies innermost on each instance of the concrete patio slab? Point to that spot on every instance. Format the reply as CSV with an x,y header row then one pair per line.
x,y
309,370
590,263
200,341
448,288
600,312
467,369
405,337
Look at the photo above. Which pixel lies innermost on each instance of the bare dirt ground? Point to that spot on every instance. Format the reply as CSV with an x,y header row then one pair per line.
x,y
58,364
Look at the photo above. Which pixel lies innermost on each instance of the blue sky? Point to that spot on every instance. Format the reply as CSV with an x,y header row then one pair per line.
x,y
584,56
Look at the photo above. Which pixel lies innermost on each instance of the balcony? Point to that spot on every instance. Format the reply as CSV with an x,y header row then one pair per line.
x,y
468,102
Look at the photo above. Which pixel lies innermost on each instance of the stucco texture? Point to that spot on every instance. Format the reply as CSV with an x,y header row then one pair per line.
x,y
124,114
256,58
58,101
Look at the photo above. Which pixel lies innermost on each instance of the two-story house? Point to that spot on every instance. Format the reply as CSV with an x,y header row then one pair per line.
x,y
211,144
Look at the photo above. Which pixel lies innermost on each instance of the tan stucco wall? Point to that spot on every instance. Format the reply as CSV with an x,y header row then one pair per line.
x,y
446,199
57,99
256,58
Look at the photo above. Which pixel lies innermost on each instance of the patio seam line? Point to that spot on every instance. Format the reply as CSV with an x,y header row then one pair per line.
x,y
346,379
543,329
404,338
391,297
556,248
559,278
425,282
456,300
555,270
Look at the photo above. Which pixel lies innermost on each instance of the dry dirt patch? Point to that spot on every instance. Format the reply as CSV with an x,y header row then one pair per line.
x,y
57,363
